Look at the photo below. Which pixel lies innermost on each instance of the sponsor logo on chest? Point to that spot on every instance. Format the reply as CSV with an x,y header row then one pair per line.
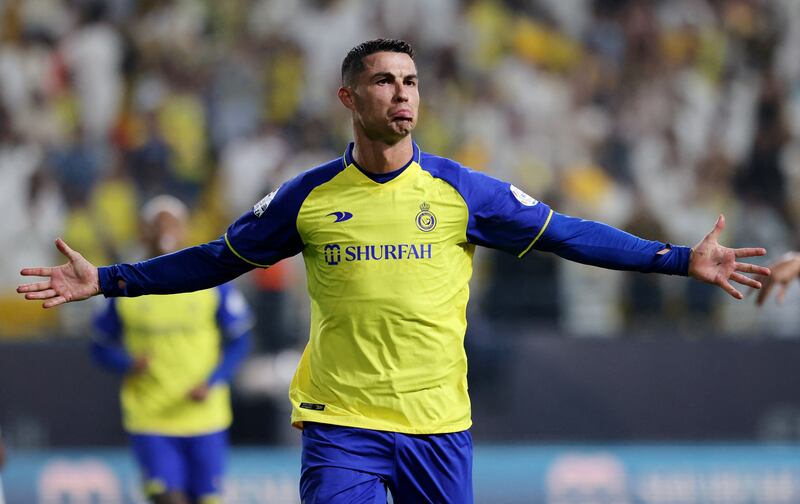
x,y
425,220
334,253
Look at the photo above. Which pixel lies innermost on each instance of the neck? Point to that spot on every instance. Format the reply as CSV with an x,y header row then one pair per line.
x,y
375,156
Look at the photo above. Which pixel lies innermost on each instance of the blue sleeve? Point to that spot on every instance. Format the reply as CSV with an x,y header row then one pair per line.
x,y
106,346
501,216
233,353
234,316
601,245
235,321
268,233
191,269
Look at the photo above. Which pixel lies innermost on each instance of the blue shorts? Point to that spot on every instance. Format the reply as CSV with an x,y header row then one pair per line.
x,y
192,465
356,466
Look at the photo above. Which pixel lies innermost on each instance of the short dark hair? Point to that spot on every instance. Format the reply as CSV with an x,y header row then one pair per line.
x,y
353,63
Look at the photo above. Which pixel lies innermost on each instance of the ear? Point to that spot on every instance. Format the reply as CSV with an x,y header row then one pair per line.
x,y
346,97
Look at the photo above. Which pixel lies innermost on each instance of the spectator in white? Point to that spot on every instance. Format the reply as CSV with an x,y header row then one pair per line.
x,y
32,207
93,53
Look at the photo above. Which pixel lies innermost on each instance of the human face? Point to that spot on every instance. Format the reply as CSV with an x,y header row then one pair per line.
x,y
165,233
384,98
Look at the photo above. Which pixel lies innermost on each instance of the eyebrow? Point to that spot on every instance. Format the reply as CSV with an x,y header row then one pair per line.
x,y
382,75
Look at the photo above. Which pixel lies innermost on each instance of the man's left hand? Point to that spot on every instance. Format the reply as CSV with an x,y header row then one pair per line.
x,y
712,263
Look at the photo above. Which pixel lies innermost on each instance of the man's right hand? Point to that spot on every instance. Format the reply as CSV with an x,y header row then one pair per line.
x,y
74,281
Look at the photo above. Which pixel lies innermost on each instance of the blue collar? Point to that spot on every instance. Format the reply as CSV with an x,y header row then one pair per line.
x,y
381,178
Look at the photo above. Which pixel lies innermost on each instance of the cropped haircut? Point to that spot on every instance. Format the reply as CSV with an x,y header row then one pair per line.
x,y
353,63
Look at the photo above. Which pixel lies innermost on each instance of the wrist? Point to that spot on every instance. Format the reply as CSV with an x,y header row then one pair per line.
x,y
109,283
96,282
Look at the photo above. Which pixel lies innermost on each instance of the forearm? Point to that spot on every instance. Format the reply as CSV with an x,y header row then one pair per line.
x,y
191,269
234,352
598,244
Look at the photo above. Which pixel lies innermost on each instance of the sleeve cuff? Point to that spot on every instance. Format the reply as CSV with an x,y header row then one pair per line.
x,y
111,283
679,261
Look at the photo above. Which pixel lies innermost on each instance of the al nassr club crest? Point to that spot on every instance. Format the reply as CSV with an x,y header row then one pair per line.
x,y
426,221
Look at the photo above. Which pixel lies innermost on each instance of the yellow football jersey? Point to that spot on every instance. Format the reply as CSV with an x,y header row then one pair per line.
x,y
388,261
181,335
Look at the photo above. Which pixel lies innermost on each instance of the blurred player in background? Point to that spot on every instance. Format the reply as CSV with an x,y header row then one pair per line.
x,y
177,354
388,233
784,271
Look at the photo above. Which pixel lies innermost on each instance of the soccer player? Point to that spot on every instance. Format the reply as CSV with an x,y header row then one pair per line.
x,y
784,271
177,354
387,233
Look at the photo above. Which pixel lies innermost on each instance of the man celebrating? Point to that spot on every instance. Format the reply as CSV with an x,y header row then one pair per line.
x,y
387,233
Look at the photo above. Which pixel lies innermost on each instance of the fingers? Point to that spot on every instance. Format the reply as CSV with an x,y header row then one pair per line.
x,y
727,287
36,272
45,294
745,280
718,227
54,302
749,252
62,247
763,294
34,287
752,268
782,293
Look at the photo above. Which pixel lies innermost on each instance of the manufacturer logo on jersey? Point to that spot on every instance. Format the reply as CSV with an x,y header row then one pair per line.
x,y
523,198
312,406
261,207
332,253
340,216
425,219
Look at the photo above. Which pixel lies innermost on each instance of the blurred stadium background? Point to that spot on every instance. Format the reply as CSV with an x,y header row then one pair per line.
x,y
589,386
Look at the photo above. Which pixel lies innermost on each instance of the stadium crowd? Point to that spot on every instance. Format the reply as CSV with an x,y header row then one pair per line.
x,y
651,116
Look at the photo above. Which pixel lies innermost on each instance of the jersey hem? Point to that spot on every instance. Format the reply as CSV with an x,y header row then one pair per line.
x,y
365,423
166,431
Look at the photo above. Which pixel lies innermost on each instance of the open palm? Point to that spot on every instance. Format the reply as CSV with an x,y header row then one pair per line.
x,y
73,281
715,264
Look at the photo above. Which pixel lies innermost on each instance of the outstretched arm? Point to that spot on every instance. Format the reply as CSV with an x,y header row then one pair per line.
x,y
601,245
190,269
784,271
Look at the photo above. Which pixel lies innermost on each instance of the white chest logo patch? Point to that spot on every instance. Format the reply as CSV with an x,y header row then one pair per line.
x,y
523,198
261,207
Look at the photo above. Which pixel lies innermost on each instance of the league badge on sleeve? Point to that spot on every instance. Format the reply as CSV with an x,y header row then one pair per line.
x,y
523,198
261,207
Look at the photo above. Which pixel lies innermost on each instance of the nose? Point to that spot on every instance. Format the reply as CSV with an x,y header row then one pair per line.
x,y
400,93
